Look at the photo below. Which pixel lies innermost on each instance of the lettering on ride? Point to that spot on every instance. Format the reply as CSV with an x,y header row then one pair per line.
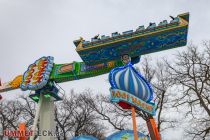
x,y
119,95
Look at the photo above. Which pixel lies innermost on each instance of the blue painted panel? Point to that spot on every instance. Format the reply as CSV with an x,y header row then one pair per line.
x,y
127,135
84,138
135,47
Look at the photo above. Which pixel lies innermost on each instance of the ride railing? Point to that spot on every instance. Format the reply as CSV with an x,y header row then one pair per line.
x,y
126,34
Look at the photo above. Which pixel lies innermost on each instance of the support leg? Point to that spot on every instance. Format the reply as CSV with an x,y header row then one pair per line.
x,y
134,123
47,122
154,134
36,116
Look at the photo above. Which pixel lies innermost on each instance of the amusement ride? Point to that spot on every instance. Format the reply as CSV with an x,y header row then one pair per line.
x,y
116,55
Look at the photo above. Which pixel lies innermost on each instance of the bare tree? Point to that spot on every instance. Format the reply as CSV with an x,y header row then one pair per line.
x,y
147,68
28,110
155,73
111,113
191,74
162,84
63,116
9,115
74,117
86,120
28,107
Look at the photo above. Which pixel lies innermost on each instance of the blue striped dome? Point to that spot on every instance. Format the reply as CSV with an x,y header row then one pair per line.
x,y
84,138
128,79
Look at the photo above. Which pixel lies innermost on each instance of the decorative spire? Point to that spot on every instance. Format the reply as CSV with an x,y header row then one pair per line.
x,y
128,79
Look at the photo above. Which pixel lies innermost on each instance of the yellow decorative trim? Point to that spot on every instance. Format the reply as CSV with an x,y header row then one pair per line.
x,y
80,43
15,83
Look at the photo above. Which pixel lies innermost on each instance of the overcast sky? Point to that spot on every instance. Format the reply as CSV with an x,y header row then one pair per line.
x,y
30,29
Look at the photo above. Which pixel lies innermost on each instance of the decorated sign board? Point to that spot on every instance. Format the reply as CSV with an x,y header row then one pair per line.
x,y
37,74
123,96
129,88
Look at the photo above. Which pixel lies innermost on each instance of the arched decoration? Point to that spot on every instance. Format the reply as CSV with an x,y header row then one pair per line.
x,y
129,88
126,78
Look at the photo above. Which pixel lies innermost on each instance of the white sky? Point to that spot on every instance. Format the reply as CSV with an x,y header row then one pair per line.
x,y
30,29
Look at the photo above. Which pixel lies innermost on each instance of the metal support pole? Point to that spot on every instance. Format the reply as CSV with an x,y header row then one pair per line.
x,y
134,123
44,110
36,116
47,121
154,134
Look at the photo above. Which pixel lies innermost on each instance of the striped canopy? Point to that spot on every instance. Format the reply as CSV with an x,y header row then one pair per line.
x,y
128,79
